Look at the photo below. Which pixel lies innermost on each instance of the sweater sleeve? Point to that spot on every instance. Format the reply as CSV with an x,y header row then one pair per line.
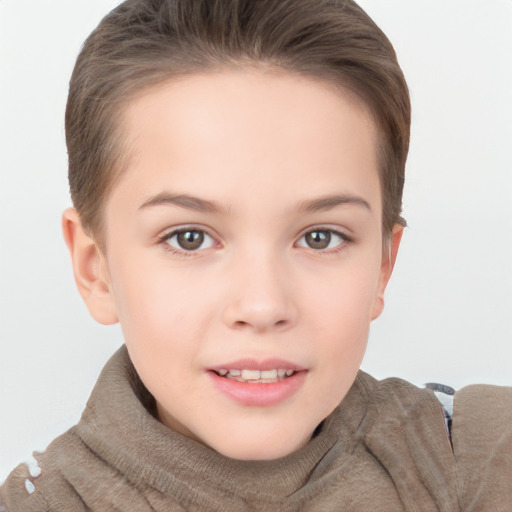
x,y
482,445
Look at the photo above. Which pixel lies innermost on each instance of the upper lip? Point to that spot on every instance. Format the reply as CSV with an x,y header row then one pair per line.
x,y
262,365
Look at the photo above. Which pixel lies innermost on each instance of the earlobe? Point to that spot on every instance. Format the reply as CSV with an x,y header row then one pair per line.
x,y
388,262
89,268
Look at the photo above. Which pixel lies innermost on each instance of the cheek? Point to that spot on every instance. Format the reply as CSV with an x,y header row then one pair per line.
x,y
345,298
163,324
157,305
340,312
342,320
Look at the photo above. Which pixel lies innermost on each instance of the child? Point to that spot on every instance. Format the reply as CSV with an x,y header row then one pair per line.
x,y
236,169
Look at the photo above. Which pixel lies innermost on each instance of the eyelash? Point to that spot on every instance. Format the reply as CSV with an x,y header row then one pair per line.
x,y
344,240
164,239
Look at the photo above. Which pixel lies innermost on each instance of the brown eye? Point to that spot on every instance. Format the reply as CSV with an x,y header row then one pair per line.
x,y
321,239
190,240
318,239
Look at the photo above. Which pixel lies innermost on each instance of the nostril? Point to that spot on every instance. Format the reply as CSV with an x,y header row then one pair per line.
x,y
242,324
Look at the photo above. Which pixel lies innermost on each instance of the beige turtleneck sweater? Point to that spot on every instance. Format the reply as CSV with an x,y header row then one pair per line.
x,y
383,449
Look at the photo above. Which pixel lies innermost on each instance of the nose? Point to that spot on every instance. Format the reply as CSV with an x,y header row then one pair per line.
x,y
261,296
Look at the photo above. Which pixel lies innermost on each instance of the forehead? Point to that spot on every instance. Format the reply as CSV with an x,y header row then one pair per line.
x,y
221,130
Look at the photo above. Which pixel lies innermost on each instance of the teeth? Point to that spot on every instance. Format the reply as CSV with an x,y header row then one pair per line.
x,y
251,374
265,376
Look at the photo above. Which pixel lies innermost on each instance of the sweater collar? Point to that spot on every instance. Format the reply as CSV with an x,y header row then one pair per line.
x,y
149,453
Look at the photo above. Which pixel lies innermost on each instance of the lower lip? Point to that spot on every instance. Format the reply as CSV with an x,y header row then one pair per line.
x,y
258,395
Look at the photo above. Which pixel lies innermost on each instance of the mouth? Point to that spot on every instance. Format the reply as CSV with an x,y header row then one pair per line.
x,y
260,384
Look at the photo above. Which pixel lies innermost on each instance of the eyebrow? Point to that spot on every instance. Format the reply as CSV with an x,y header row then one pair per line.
x,y
329,202
205,206
185,201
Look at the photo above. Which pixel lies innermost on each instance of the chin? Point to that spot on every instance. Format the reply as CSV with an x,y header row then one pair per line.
x,y
257,448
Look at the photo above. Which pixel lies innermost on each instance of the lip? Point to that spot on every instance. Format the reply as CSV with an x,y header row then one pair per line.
x,y
254,364
258,395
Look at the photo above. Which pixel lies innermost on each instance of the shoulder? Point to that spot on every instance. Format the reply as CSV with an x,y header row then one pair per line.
x,y
479,407
482,422
38,485
405,423
17,494
482,446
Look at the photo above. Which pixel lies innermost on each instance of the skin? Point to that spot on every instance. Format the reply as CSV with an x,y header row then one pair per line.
x,y
259,145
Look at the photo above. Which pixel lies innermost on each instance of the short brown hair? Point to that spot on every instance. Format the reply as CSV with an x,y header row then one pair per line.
x,y
142,43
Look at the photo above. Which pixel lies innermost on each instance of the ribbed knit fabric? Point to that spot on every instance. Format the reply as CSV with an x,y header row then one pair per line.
x,y
383,449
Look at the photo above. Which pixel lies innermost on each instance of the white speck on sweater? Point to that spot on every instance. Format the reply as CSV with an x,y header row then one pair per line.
x,y
33,467
29,486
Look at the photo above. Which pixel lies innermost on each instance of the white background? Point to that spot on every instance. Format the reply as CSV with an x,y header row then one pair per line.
x,y
449,306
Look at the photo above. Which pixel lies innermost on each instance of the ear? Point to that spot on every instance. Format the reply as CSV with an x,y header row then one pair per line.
x,y
389,254
90,269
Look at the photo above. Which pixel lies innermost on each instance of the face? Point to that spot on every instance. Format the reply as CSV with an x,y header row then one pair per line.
x,y
244,254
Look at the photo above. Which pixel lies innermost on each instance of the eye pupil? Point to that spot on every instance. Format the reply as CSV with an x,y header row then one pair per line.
x,y
190,240
318,239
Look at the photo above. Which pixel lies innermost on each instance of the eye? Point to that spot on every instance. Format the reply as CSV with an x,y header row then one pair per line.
x,y
322,239
188,240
